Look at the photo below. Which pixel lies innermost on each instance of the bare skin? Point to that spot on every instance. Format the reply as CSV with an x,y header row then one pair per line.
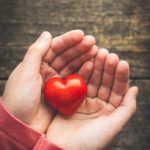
x,y
106,109
109,103
45,58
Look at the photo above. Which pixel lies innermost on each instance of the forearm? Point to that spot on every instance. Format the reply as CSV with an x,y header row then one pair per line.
x,y
14,134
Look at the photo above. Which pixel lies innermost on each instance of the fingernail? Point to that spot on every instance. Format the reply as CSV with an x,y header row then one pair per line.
x,y
45,36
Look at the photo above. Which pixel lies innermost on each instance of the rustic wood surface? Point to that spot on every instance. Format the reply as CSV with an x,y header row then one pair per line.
x,y
123,26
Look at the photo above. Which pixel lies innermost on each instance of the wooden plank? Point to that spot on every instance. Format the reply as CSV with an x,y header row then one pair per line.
x,y
135,136
10,57
121,25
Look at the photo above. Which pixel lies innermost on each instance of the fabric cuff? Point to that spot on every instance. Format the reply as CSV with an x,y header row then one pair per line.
x,y
22,133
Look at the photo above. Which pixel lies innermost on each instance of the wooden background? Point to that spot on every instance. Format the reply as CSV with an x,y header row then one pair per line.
x,y
123,26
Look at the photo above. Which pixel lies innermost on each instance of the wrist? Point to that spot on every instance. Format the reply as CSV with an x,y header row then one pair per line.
x,y
12,108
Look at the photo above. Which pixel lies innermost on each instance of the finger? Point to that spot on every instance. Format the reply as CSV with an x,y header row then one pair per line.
x,y
86,70
96,75
73,52
46,71
32,60
126,109
63,42
108,76
120,85
76,63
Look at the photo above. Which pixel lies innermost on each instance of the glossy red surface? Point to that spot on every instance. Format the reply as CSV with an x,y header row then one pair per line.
x,y
65,95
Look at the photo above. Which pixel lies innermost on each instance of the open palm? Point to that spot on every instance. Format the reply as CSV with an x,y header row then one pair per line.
x,y
108,106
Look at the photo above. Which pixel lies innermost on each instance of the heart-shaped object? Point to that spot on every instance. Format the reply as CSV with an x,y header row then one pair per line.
x,y
65,95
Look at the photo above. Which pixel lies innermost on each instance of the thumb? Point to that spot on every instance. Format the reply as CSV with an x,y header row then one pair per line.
x,y
32,60
126,109
129,99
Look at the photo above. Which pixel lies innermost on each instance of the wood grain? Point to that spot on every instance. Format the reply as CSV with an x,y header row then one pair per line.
x,y
122,25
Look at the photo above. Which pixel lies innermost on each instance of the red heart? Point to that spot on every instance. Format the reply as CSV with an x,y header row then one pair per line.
x,y
65,95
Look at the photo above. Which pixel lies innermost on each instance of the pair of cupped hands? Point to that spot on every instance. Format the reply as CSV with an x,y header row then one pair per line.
x,y
109,103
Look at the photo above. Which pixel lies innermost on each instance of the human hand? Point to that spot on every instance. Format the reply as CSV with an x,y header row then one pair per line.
x,y
44,59
109,105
